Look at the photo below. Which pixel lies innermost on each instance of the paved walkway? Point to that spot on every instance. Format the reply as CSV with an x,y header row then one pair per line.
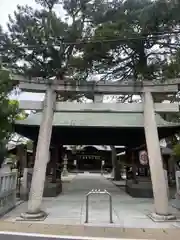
x,y
30,236
90,231
69,207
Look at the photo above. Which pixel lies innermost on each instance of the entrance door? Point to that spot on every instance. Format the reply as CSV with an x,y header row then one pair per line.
x,y
88,163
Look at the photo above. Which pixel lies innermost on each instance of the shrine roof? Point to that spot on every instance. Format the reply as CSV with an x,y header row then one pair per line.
x,y
84,128
85,119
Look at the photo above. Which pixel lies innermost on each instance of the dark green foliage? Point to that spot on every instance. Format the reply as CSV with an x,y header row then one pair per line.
x,y
3,152
45,44
142,39
41,39
8,109
128,38
8,112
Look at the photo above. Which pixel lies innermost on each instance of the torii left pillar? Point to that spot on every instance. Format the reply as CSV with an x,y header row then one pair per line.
x,y
34,211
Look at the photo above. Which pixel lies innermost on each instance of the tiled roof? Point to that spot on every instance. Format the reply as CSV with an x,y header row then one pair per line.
x,y
85,119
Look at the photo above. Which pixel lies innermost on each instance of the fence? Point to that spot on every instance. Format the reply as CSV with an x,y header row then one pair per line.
x,y
8,183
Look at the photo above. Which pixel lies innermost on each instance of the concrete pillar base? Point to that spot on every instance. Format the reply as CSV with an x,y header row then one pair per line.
x,y
161,218
38,216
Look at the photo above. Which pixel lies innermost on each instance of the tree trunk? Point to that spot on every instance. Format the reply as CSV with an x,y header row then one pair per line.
x,y
115,164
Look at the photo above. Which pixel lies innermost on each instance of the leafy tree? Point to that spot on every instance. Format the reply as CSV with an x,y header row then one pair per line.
x,y
8,111
45,44
22,114
171,68
127,39
134,38
137,38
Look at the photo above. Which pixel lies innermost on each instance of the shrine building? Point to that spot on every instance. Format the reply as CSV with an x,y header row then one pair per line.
x,y
125,129
130,125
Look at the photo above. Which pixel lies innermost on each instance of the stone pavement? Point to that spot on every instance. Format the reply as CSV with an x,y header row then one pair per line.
x,y
30,236
90,231
69,207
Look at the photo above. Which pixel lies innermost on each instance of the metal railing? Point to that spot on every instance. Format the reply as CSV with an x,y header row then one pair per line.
x,y
98,191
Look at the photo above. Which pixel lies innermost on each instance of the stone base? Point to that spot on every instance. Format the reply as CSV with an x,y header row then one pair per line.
x,y
142,189
39,216
65,173
161,218
52,189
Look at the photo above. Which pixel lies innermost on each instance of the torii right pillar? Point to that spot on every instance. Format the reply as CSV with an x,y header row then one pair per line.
x,y
159,184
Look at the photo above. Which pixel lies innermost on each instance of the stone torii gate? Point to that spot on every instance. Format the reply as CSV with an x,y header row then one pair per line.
x,y
49,106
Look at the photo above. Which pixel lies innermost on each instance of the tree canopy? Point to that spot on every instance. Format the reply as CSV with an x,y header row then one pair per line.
x,y
77,39
9,111
119,39
134,38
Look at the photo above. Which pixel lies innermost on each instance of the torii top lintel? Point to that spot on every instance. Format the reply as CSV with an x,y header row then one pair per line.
x,y
100,87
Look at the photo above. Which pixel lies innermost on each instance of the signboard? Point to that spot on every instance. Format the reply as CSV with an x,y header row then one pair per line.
x,y
178,163
143,157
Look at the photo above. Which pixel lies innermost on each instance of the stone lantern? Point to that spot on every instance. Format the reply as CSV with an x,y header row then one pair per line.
x,y
65,171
